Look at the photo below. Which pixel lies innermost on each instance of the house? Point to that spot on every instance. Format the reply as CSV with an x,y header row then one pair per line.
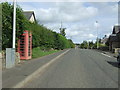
x,y
30,16
104,39
114,39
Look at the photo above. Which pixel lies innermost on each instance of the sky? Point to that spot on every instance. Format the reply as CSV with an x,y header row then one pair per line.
x,y
79,18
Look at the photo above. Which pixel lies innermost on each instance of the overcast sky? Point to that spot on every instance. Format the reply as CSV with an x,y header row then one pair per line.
x,y
78,17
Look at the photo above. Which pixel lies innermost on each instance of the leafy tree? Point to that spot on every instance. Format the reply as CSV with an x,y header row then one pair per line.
x,y
41,35
62,31
72,45
7,24
84,44
91,44
0,27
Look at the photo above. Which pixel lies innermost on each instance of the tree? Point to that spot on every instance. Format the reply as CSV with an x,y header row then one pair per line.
x,y
91,44
7,22
41,35
84,44
0,27
72,45
62,31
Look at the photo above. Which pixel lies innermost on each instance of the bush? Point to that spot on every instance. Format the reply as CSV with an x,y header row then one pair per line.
x,y
47,39
41,36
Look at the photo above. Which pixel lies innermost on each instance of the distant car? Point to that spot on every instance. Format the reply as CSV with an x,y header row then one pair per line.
x,y
118,58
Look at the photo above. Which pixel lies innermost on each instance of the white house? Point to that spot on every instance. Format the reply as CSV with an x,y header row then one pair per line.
x,y
30,16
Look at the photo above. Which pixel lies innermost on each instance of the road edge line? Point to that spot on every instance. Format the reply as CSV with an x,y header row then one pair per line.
x,y
38,71
106,55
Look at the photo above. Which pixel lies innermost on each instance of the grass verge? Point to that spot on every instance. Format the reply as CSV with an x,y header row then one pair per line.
x,y
37,52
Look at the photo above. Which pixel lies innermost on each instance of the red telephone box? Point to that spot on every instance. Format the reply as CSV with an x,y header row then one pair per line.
x,y
25,45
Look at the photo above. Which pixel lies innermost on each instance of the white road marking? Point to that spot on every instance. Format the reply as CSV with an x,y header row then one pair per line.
x,y
38,71
106,55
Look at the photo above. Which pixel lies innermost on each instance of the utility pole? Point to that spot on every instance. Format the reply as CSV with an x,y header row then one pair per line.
x,y
62,30
10,52
88,44
14,24
97,34
61,27
61,24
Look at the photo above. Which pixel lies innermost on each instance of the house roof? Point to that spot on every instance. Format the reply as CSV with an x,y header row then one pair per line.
x,y
113,38
116,29
104,40
28,14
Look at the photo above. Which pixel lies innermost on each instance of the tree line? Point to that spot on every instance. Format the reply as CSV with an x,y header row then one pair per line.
x,y
91,44
41,35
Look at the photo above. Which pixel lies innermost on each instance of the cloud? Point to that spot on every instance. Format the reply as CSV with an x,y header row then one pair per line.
x,y
78,18
64,0
66,12
108,8
80,32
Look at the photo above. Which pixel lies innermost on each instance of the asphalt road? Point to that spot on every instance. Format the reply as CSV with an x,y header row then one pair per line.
x,y
79,68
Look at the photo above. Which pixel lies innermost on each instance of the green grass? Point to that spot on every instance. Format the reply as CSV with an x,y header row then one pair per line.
x,y
37,52
102,45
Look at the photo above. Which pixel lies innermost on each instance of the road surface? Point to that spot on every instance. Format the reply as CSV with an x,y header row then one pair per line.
x,y
79,68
